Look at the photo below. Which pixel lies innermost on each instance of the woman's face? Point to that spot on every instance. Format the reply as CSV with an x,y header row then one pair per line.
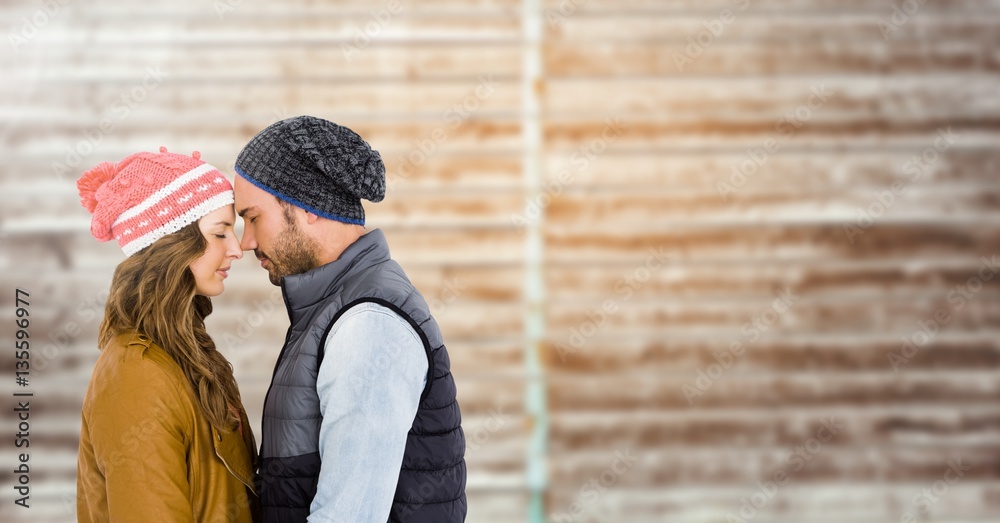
x,y
223,247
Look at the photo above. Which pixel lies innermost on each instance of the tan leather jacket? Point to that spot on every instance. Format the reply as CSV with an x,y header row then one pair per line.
x,y
146,451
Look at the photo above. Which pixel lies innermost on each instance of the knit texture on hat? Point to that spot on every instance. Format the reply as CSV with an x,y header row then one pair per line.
x,y
149,195
315,164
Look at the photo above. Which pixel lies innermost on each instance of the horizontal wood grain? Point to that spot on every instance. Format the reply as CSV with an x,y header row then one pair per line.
x,y
614,159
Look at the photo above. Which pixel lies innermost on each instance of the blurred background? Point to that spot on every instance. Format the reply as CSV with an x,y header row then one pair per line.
x,y
694,261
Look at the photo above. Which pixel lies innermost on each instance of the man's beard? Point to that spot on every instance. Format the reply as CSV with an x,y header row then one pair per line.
x,y
292,253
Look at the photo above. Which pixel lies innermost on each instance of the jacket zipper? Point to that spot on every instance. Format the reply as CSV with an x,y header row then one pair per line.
x,y
234,474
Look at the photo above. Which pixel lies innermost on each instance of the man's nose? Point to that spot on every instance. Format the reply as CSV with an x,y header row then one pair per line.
x,y
248,242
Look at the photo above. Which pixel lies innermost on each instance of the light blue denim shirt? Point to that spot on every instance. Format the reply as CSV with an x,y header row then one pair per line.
x,y
369,384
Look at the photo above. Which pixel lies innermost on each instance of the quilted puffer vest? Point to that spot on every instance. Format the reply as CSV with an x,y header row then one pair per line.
x,y
431,485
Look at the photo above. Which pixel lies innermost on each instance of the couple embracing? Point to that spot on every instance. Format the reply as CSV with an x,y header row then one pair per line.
x,y
360,422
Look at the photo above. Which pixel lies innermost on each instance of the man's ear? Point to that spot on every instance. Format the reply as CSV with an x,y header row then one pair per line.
x,y
310,217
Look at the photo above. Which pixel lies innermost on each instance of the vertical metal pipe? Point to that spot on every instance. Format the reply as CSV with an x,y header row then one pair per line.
x,y
534,284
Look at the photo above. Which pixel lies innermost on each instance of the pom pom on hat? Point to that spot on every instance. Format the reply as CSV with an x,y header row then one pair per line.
x,y
91,181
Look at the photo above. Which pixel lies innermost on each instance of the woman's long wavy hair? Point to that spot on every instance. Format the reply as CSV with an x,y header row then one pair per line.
x,y
153,292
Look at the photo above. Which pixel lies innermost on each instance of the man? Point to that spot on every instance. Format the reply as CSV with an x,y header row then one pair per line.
x,y
360,422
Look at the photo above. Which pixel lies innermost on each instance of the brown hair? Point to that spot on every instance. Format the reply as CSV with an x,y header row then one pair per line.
x,y
153,292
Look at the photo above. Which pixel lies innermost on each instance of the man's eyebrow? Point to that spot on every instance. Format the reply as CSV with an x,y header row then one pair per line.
x,y
246,210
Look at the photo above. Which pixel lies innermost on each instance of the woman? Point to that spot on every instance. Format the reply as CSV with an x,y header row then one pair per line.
x,y
164,434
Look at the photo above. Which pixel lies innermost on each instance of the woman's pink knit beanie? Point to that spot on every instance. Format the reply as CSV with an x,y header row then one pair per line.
x,y
149,195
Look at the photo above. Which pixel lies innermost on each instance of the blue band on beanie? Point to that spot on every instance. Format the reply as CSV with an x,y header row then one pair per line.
x,y
296,202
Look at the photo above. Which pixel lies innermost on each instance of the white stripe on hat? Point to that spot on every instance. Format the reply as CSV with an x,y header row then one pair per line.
x,y
163,192
192,215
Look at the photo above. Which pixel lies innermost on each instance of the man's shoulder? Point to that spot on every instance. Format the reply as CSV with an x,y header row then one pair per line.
x,y
375,317
386,277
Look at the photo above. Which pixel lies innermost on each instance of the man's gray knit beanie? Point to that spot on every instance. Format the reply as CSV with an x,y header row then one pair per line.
x,y
317,165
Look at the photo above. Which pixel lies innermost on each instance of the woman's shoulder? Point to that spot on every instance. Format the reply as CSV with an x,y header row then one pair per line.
x,y
135,384
131,360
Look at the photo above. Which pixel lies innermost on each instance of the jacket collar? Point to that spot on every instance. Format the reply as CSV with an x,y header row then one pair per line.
x,y
132,337
302,291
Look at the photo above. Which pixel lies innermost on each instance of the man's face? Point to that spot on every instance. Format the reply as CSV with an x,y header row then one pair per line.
x,y
271,230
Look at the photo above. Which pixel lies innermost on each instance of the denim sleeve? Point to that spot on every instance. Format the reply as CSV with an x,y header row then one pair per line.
x,y
369,385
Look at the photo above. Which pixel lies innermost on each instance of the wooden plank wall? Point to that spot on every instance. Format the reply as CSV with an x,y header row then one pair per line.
x,y
746,208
